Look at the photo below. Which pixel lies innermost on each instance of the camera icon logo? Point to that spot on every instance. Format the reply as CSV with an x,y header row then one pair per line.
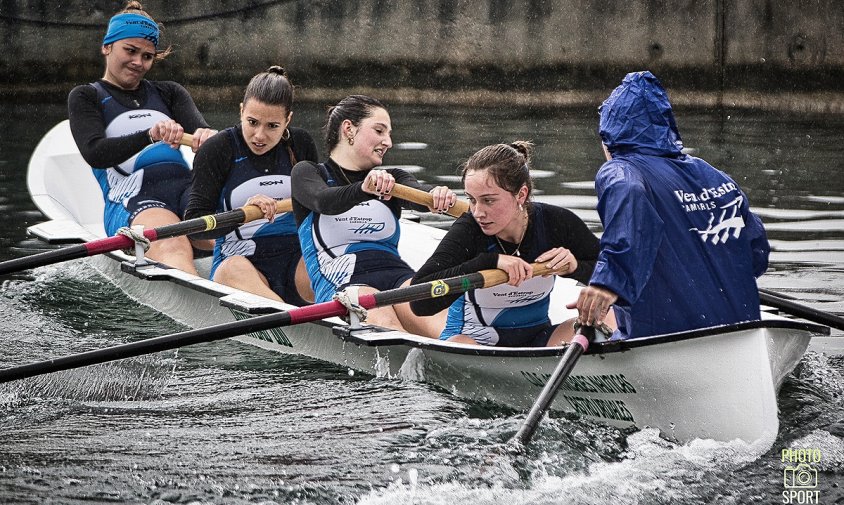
x,y
802,476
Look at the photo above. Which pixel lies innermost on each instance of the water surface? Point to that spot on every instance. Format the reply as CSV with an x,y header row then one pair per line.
x,y
229,423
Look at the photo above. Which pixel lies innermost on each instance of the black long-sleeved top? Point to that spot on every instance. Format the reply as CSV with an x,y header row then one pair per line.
x,y
465,249
213,163
88,127
312,194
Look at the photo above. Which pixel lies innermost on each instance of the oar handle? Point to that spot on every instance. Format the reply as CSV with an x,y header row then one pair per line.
x,y
495,276
424,198
399,191
253,212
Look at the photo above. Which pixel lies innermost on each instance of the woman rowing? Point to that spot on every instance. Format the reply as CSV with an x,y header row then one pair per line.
x,y
506,230
129,129
348,220
250,164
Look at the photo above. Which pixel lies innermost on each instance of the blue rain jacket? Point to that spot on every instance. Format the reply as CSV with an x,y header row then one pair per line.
x,y
680,246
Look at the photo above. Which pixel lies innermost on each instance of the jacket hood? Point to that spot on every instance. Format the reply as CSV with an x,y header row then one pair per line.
x,y
637,117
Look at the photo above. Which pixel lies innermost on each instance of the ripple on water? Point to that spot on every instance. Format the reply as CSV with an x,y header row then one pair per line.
x,y
651,470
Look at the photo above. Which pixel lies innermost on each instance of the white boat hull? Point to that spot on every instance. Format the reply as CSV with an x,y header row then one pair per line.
x,y
718,383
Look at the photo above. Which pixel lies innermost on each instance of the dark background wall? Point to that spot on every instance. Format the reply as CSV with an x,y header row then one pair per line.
x,y
705,46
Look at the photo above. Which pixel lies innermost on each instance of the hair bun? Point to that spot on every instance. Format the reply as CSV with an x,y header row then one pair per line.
x,y
523,147
276,69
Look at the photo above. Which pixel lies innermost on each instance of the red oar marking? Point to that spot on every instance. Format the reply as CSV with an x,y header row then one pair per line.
x,y
326,309
116,242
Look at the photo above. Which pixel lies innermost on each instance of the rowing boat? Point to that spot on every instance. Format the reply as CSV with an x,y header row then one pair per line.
x,y
718,383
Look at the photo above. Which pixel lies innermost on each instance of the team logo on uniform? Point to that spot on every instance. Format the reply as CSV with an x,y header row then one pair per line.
x,y
271,183
368,228
729,223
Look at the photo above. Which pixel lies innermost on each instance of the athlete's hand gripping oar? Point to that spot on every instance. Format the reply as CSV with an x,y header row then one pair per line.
x,y
579,344
454,285
779,301
206,223
423,198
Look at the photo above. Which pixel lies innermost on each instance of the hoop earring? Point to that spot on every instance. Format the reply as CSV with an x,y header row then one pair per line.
x,y
286,135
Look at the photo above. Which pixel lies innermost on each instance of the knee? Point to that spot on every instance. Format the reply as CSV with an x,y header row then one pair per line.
x,y
462,339
232,267
175,245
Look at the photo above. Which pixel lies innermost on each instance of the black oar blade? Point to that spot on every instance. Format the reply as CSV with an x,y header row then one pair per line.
x,y
45,258
147,346
579,345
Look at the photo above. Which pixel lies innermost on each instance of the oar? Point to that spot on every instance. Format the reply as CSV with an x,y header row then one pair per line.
x,y
454,285
423,198
579,345
205,223
777,300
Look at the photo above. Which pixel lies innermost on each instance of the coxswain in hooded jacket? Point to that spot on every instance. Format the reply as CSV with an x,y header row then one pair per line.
x,y
680,247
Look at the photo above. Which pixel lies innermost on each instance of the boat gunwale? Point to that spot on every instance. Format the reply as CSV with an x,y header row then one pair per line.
x,y
598,348
357,336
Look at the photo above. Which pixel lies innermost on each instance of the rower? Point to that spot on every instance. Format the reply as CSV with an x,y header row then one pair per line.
x,y
250,164
128,130
506,230
348,219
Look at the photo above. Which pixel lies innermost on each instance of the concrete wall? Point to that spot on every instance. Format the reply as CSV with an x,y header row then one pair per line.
x,y
527,45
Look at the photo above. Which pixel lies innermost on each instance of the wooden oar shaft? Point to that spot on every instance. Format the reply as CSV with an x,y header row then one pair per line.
x,y
435,289
776,300
294,316
114,243
423,198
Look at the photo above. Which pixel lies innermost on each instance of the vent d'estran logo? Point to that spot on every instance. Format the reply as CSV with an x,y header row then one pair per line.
x,y
729,222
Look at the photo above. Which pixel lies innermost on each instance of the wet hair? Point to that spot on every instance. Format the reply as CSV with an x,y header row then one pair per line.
x,y
355,108
271,87
508,164
135,7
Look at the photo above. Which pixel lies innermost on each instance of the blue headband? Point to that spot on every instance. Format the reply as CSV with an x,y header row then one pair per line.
x,y
131,26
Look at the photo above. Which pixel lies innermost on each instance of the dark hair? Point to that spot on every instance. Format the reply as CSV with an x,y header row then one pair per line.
x,y
355,108
135,7
508,164
271,87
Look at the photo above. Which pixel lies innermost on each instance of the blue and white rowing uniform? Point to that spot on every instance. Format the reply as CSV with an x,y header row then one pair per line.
x,y
356,245
273,247
504,315
156,177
